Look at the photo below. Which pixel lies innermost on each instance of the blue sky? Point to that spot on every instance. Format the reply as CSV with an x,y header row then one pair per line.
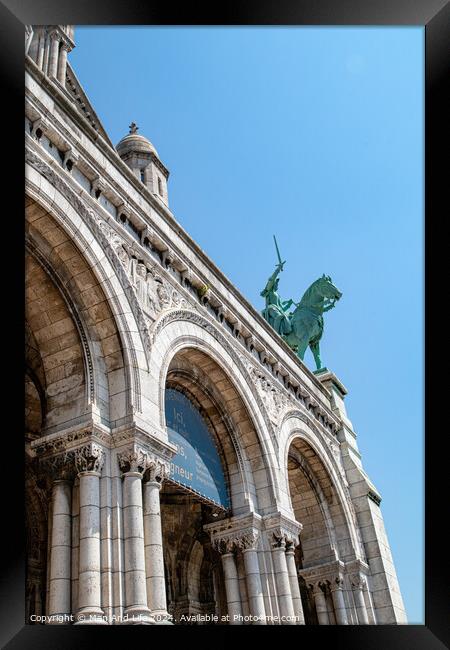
x,y
316,135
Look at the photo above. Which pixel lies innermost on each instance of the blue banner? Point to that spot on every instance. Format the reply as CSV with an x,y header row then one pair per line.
x,y
197,464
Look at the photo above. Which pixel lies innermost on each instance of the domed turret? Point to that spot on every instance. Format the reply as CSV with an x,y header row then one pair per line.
x,y
142,158
135,143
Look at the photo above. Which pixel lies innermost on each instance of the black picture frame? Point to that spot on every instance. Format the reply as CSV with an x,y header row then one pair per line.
x,y
434,15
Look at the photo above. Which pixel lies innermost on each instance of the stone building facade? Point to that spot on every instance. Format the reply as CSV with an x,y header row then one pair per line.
x,y
122,310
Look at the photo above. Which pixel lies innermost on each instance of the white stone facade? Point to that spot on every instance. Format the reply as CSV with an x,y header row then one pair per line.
x,y
120,304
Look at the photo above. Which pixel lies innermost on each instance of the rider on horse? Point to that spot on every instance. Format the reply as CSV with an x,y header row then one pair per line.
x,y
275,310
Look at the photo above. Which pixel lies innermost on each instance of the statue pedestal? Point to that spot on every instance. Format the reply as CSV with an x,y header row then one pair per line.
x,y
336,388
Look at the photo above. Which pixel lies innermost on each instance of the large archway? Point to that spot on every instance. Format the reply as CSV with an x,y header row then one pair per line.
x,y
200,391
325,537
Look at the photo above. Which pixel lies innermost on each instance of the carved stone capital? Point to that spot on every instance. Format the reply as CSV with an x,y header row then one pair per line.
x,y
358,581
247,540
282,531
133,459
317,587
337,583
89,458
277,538
138,459
225,545
58,468
157,469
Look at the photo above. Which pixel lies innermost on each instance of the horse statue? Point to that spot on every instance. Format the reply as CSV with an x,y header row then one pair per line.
x,y
307,320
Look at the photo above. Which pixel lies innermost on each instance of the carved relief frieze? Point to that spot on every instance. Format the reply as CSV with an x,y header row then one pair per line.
x,y
275,400
64,442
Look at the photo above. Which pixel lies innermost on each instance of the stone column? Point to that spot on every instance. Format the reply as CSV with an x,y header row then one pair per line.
x,y
54,50
337,595
75,544
46,53
154,559
133,463
321,603
295,587
358,584
89,462
28,38
60,552
226,547
62,65
248,543
283,584
41,49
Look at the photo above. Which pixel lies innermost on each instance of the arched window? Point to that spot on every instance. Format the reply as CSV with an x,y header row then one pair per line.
x,y
160,187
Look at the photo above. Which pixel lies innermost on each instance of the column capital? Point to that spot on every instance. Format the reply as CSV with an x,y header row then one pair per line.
x,y
138,459
248,539
225,545
58,468
358,581
337,583
240,532
157,469
317,586
282,531
89,458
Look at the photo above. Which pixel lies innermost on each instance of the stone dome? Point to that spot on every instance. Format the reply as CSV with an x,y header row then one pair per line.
x,y
135,143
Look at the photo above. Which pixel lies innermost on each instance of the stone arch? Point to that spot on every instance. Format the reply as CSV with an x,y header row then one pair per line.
x,y
50,199
332,535
225,393
55,359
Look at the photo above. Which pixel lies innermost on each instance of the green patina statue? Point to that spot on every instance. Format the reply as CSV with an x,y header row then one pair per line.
x,y
275,310
303,326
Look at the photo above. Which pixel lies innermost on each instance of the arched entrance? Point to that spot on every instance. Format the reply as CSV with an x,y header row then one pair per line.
x,y
195,493
324,539
206,417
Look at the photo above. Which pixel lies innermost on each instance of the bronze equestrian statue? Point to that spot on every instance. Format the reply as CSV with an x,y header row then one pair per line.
x,y
303,326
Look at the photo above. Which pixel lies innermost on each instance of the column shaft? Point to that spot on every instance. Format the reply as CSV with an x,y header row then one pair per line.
x,y
321,606
361,610
283,585
232,589
59,595
75,544
89,585
295,587
46,54
254,587
135,581
53,60
62,66
41,49
339,606
154,559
